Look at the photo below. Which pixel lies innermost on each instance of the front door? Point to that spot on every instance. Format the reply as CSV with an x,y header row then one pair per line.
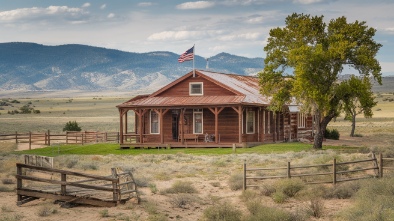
x,y
175,127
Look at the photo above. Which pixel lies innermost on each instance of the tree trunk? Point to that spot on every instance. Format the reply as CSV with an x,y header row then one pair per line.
x,y
353,125
320,129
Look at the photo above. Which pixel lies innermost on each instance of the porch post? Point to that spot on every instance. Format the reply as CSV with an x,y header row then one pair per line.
x,y
240,124
125,121
216,112
182,122
121,125
161,113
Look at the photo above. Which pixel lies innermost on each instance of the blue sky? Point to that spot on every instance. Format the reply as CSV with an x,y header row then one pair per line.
x,y
239,27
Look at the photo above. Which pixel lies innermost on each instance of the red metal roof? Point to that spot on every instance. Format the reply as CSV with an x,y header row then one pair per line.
x,y
246,87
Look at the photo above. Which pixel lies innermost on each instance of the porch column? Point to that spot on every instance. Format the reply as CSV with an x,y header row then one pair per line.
x,y
239,111
121,125
125,121
216,112
182,122
161,113
140,113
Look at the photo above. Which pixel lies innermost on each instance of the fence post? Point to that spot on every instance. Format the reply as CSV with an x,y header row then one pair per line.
x,y
49,138
380,165
115,185
66,137
244,181
334,171
16,136
82,138
288,170
19,180
63,188
29,140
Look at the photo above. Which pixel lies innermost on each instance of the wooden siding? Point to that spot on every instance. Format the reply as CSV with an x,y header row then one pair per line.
x,y
182,88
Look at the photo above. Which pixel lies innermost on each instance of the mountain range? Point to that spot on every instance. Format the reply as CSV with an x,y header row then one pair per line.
x,y
36,67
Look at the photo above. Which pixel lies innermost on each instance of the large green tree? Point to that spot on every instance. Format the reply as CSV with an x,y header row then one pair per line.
x,y
305,58
357,98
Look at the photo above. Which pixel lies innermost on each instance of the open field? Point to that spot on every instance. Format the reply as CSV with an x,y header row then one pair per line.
x,y
195,184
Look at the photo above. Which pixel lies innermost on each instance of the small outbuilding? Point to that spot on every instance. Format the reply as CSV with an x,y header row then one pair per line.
x,y
208,109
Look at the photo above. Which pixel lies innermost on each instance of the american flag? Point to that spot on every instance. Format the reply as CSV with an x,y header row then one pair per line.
x,y
187,56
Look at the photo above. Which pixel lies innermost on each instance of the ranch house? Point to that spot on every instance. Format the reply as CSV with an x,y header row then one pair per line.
x,y
208,109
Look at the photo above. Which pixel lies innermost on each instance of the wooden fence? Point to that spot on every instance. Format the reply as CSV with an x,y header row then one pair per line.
x,y
70,137
320,173
67,186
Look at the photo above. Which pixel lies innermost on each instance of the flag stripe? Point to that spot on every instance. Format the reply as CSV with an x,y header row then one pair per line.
x,y
187,55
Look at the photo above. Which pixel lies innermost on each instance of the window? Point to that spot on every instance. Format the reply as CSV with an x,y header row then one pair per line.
x,y
301,120
195,88
250,116
154,122
197,121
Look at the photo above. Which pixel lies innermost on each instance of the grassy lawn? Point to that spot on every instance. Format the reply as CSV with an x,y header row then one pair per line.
x,y
107,148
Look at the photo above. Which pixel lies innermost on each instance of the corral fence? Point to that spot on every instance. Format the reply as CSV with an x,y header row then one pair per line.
x,y
69,187
320,173
69,137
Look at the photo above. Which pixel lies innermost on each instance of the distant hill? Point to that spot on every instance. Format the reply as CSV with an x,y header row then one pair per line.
x,y
30,66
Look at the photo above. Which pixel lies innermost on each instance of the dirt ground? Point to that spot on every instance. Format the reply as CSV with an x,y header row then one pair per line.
x,y
208,174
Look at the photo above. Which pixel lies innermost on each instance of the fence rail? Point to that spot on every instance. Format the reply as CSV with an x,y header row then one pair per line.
x,y
70,137
75,187
331,173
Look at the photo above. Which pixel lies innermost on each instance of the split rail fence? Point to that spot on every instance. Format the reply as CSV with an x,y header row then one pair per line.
x,y
71,187
70,137
321,173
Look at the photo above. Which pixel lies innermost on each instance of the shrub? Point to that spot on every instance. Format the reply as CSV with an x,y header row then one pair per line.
x,y
46,211
181,187
249,195
182,200
71,126
104,213
331,134
222,212
316,207
259,212
373,201
8,181
14,217
290,187
153,188
344,190
279,197
235,181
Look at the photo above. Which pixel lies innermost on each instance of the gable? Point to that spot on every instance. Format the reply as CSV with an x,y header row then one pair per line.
x,y
181,89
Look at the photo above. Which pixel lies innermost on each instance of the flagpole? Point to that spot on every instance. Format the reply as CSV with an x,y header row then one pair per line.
x,y
194,53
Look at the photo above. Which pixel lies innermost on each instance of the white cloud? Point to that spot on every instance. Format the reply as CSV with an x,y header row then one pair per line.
x,y
182,35
35,12
245,36
195,5
110,15
145,4
87,4
306,2
103,6
242,2
255,20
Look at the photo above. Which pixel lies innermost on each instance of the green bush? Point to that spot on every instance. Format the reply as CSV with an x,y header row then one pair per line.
x,y
258,212
279,197
290,187
235,181
373,201
222,212
331,134
181,187
72,126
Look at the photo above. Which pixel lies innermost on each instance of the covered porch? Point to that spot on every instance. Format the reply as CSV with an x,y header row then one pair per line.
x,y
199,126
